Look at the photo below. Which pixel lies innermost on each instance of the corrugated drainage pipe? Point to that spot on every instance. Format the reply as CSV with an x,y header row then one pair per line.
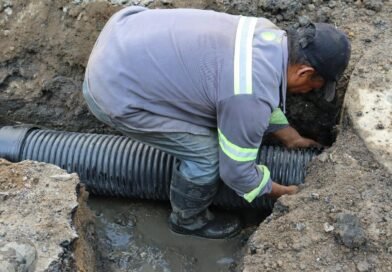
x,y
118,166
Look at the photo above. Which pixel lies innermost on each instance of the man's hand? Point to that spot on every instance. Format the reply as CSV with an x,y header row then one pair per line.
x,y
291,138
305,142
279,190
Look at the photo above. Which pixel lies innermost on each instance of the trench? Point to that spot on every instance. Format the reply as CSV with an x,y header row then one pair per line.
x,y
132,235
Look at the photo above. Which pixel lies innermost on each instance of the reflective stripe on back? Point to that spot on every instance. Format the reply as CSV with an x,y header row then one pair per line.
x,y
243,55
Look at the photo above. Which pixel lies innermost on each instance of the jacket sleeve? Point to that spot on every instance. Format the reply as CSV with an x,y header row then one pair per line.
x,y
242,121
277,121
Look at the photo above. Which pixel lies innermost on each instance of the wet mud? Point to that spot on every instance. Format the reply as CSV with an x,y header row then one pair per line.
x,y
134,236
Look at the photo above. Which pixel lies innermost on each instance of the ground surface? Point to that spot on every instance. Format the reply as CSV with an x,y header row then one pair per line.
x,y
37,204
340,222
369,101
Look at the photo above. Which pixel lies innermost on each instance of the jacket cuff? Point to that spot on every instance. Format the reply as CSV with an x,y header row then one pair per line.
x,y
266,180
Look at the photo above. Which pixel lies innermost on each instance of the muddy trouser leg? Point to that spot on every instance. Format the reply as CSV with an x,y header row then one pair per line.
x,y
196,175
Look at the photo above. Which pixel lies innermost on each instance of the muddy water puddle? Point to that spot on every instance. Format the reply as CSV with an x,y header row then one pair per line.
x,y
134,236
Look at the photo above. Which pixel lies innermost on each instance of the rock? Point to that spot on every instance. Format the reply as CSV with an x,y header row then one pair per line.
x,y
348,230
311,7
61,177
332,4
304,20
300,226
315,196
363,266
8,11
374,5
323,157
328,227
18,256
4,196
252,250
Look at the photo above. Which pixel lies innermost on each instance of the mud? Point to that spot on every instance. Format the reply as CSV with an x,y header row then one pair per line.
x,y
134,236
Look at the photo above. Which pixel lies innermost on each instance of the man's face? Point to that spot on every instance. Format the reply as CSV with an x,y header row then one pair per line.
x,y
303,79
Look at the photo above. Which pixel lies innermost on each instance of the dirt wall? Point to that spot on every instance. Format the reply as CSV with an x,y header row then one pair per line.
x,y
45,47
340,220
41,225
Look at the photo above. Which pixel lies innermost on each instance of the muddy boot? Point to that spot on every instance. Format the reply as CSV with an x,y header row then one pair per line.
x,y
190,213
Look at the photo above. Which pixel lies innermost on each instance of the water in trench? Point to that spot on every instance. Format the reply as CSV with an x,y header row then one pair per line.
x,y
134,236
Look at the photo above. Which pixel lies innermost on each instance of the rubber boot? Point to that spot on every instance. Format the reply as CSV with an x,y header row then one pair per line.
x,y
191,216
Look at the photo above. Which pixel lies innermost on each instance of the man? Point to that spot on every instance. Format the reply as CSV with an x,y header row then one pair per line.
x,y
205,87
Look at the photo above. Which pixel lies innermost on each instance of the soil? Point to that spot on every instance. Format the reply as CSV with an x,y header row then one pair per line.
x,y
341,221
37,233
45,47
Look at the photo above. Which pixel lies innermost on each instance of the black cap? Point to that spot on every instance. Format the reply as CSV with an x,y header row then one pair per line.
x,y
328,51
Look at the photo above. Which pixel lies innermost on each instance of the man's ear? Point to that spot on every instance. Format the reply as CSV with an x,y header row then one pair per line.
x,y
305,71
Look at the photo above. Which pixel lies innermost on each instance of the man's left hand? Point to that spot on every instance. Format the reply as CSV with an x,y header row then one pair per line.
x,y
291,138
305,142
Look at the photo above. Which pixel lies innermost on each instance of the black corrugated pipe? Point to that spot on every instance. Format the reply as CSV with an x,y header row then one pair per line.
x,y
118,166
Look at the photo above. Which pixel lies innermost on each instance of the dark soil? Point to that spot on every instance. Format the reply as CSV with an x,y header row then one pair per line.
x,y
45,47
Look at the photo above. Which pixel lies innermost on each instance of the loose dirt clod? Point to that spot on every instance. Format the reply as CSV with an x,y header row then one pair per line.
x,y
349,231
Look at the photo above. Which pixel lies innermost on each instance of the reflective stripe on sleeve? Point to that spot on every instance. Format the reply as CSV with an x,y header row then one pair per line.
x,y
278,118
255,192
236,152
243,55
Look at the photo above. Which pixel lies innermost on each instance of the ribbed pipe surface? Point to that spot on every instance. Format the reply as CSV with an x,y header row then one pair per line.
x,y
118,166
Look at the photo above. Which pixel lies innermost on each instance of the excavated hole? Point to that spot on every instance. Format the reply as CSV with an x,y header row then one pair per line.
x,y
134,236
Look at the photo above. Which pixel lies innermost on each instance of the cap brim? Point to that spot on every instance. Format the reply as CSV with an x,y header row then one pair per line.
x,y
329,90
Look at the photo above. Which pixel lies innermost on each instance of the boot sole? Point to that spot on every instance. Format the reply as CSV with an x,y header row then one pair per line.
x,y
182,231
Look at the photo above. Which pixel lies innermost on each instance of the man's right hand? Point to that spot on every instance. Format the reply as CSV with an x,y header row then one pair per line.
x,y
279,190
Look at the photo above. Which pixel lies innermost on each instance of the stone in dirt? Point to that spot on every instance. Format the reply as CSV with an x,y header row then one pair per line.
x,y
348,230
17,256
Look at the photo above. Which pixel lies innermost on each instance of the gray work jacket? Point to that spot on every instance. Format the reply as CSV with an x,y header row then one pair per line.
x,y
181,70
